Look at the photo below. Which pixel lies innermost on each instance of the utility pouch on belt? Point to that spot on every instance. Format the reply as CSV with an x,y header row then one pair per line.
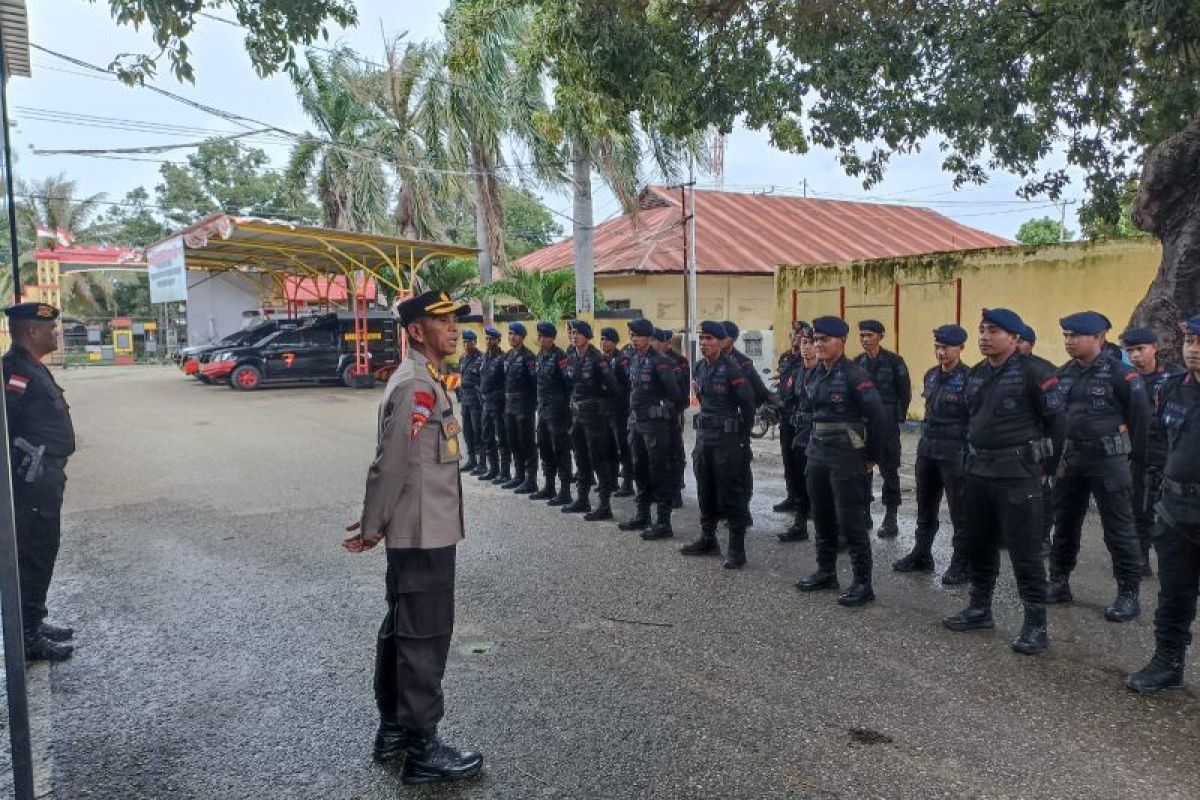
x,y
1117,444
855,433
653,412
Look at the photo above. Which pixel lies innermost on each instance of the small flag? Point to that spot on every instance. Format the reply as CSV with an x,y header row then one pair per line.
x,y
17,384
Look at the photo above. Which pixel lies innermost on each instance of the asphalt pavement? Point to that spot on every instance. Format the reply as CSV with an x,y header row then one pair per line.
x,y
226,642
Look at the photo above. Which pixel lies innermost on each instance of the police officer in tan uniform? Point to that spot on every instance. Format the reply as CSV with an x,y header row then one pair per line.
x,y
413,503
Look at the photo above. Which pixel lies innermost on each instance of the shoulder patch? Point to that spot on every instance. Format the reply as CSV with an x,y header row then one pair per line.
x,y
863,386
1131,376
1049,383
17,384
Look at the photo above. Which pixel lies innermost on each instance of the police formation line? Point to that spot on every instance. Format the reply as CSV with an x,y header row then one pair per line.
x,y
1015,445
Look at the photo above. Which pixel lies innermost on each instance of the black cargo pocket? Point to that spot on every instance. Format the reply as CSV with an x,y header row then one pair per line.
x,y
420,615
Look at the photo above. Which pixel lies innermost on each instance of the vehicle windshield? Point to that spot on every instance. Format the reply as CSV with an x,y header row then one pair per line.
x,y
269,337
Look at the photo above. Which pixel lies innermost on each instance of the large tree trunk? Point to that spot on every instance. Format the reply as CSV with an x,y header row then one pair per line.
x,y
489,219
1168,206
583,230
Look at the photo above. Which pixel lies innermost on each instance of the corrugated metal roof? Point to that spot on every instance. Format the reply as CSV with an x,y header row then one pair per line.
x,y
752,234
14,27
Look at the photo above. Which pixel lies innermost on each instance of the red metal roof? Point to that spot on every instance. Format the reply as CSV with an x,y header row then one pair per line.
x,y
754,233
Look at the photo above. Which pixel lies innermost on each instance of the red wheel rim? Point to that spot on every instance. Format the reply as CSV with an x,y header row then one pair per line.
x,y
247,379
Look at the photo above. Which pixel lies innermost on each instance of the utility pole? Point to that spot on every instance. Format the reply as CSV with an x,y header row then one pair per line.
x,y
804,187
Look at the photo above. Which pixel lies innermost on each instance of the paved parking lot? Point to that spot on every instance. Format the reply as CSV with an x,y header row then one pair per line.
x,y
226,641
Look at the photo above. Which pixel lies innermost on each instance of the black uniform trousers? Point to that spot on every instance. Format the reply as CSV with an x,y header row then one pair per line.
x,y
472,427
837,507
493,437
414,639
889,465
522,442
595,452
1112,491
1178,548
38,508
554,446
797,457
792,480
1146,486
1005,510
678,454
653,464
938,477
620,432
720,490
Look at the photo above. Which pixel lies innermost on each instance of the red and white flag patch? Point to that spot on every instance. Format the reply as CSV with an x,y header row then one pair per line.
x,y
16,384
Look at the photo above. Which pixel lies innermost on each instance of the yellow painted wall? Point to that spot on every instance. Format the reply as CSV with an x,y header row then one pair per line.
x,y
746,299
1041,284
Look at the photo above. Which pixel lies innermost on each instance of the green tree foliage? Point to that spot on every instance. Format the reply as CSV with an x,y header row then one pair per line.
x,y
528,225
273,27
546,295
1043,231
132,223
457,277
131,297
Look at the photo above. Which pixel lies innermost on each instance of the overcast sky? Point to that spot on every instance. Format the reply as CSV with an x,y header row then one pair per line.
x,y
62,107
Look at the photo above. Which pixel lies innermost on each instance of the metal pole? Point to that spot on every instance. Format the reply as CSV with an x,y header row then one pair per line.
x,y
10,576
691,257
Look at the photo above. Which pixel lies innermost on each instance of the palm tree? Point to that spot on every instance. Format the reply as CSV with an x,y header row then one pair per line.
x,y
350,181
458,277
548,295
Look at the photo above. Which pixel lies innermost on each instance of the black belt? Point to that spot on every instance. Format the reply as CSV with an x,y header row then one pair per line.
x,y
1181,489
654,412
716,422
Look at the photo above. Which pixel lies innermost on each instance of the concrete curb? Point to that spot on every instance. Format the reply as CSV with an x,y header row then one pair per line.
x,y
40,716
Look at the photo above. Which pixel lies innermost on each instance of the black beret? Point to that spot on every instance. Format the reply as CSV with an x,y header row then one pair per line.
x,y
1138,336
1005,319
41,312
872,326
641,327
731,329
713,328
662,335
610,334
427,305
953,335
831,326
583,328
547,329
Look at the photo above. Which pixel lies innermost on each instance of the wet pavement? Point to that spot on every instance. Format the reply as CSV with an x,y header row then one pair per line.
x,y
226,641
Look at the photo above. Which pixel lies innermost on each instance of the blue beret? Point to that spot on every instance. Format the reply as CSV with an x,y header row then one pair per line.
x,y
610,334
641,327
1028,334
517,328
713,328
661,335
872,325
547,329
42,312
831,326
731,329
1085,323
468,335
1006,319
1138,336
1191,326
953,335
583,328
491,332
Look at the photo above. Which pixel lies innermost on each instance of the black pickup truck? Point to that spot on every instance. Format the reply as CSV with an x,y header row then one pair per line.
x,y
319,351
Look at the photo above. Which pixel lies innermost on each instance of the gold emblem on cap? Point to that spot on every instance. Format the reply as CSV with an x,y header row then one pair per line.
x,y
45,311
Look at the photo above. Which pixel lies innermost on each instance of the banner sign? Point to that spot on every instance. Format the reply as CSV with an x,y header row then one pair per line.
x,y
168,274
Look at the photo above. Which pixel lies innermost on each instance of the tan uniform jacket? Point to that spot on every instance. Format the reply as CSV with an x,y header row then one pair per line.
x,y
414,491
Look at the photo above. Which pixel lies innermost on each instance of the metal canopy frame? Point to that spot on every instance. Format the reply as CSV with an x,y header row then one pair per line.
x,y
227,243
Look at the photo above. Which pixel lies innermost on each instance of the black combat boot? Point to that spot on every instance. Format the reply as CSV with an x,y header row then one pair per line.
x,y
788,504
546,492
859,594
1033,638
517,479
481,468
889,529
470,464
640,521
975,617
504,474
626,489
603,510
563,497
1165,671
677,499
818,581
39,648
1147,569
529,485
390,741
798,532
431,761
582,504
706,545
661,529
870,519
737,549
491,469
56,633
919,560
1059,590
1125,607
957,572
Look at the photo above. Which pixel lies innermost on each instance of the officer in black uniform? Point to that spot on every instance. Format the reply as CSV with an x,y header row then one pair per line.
x,y
41,439
593,391
761,393
1013,410
1177,536
491,393
1045,369
520,402
471,401
618,359
1107,422
940,454
849,422
662,343
652,401
789,363
795,398
1141,345
722,448
890,374
553,413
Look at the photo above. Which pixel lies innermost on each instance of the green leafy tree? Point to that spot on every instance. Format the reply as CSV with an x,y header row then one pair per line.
x,y
528,225
131,297
273,27
458,277
999,83
548,295
1122,227
1043,231
132,223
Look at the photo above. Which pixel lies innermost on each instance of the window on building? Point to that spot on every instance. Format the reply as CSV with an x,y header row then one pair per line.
x,y
617,305
753,347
